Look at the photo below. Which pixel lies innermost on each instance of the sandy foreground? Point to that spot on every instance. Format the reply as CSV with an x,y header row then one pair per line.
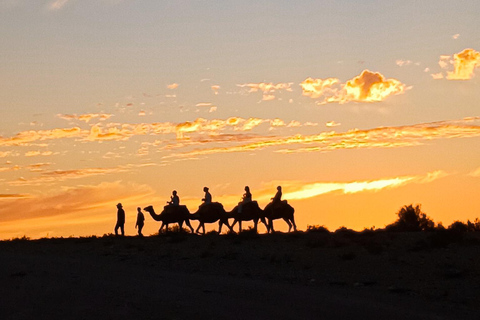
x,y
304,275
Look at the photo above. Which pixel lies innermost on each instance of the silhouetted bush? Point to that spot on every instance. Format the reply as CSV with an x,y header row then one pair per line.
x,y
317,228
411,218
473,226
458,226
349,233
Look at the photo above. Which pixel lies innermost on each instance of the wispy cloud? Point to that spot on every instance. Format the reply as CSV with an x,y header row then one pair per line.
x,y
85,117
72,200
173,86
300,190
268,89
383,137
475,173
367,87
57,4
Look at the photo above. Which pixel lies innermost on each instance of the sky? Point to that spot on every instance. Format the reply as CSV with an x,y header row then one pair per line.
x,y
355,108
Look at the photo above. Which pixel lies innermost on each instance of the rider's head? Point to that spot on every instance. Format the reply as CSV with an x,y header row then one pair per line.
x,y
279,188
247,188
174,192
205,189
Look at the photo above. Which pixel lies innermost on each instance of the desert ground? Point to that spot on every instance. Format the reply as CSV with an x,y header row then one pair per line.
x,y
301,275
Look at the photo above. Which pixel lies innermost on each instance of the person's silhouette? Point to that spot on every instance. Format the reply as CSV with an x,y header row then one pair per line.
x,y
120,220
208,196
174,199
140,221
277,199
247,197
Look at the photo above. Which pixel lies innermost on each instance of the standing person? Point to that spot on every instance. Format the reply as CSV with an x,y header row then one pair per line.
x,y
174,199
140,221
208,196
120,220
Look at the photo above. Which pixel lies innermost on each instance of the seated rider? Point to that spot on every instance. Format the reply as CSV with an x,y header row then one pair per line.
x,y
247,197
277,199
208,196
174,199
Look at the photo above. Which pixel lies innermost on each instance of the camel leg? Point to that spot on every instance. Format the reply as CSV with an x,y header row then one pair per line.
x,y
239,226
270,224
255,224
203,228
187,222
289,224
294,225
161,227
264,222
180,225
199,225
220,224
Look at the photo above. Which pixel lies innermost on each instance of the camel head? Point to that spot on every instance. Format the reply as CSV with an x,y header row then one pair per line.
x,y
148,209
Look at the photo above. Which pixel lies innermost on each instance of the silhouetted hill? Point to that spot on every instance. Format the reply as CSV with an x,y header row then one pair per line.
x,y
308,275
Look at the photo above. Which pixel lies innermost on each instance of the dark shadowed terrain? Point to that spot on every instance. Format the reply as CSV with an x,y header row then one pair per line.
x,y
305,275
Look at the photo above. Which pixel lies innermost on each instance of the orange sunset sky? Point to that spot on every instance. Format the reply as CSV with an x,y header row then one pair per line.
x,y
354,108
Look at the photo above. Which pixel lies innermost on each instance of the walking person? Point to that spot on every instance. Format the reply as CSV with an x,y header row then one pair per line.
x,y
140,221
120,220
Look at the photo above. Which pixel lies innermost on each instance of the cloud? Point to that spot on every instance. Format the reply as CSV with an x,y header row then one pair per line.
x,y
402,63
215,89
61,175
172,86
367,87
268,89
57,4
308,190
300,190
85,117
73,201
437,76
464,63
332,124
382,137
475,173
26,137
316,88
38,153
456,36
12,196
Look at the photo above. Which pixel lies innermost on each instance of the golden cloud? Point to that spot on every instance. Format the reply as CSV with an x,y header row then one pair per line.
x,y
464,64
383,137
367,87
85,117
172,86
300,190
316,88
26,137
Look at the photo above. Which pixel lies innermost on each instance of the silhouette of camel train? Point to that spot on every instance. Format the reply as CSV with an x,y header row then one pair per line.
x,y
211,212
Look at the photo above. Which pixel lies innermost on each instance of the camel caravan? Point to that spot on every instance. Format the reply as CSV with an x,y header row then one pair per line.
x,y
211,212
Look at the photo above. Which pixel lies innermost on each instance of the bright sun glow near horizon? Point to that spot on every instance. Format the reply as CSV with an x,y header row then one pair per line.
x,y
355,109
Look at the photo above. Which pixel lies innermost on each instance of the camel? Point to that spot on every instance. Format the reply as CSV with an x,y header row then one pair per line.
x,y
250,211
171,214
280,210
209,213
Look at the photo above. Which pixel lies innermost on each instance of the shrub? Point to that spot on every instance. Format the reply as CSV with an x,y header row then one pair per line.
x,y
317,228
411,218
